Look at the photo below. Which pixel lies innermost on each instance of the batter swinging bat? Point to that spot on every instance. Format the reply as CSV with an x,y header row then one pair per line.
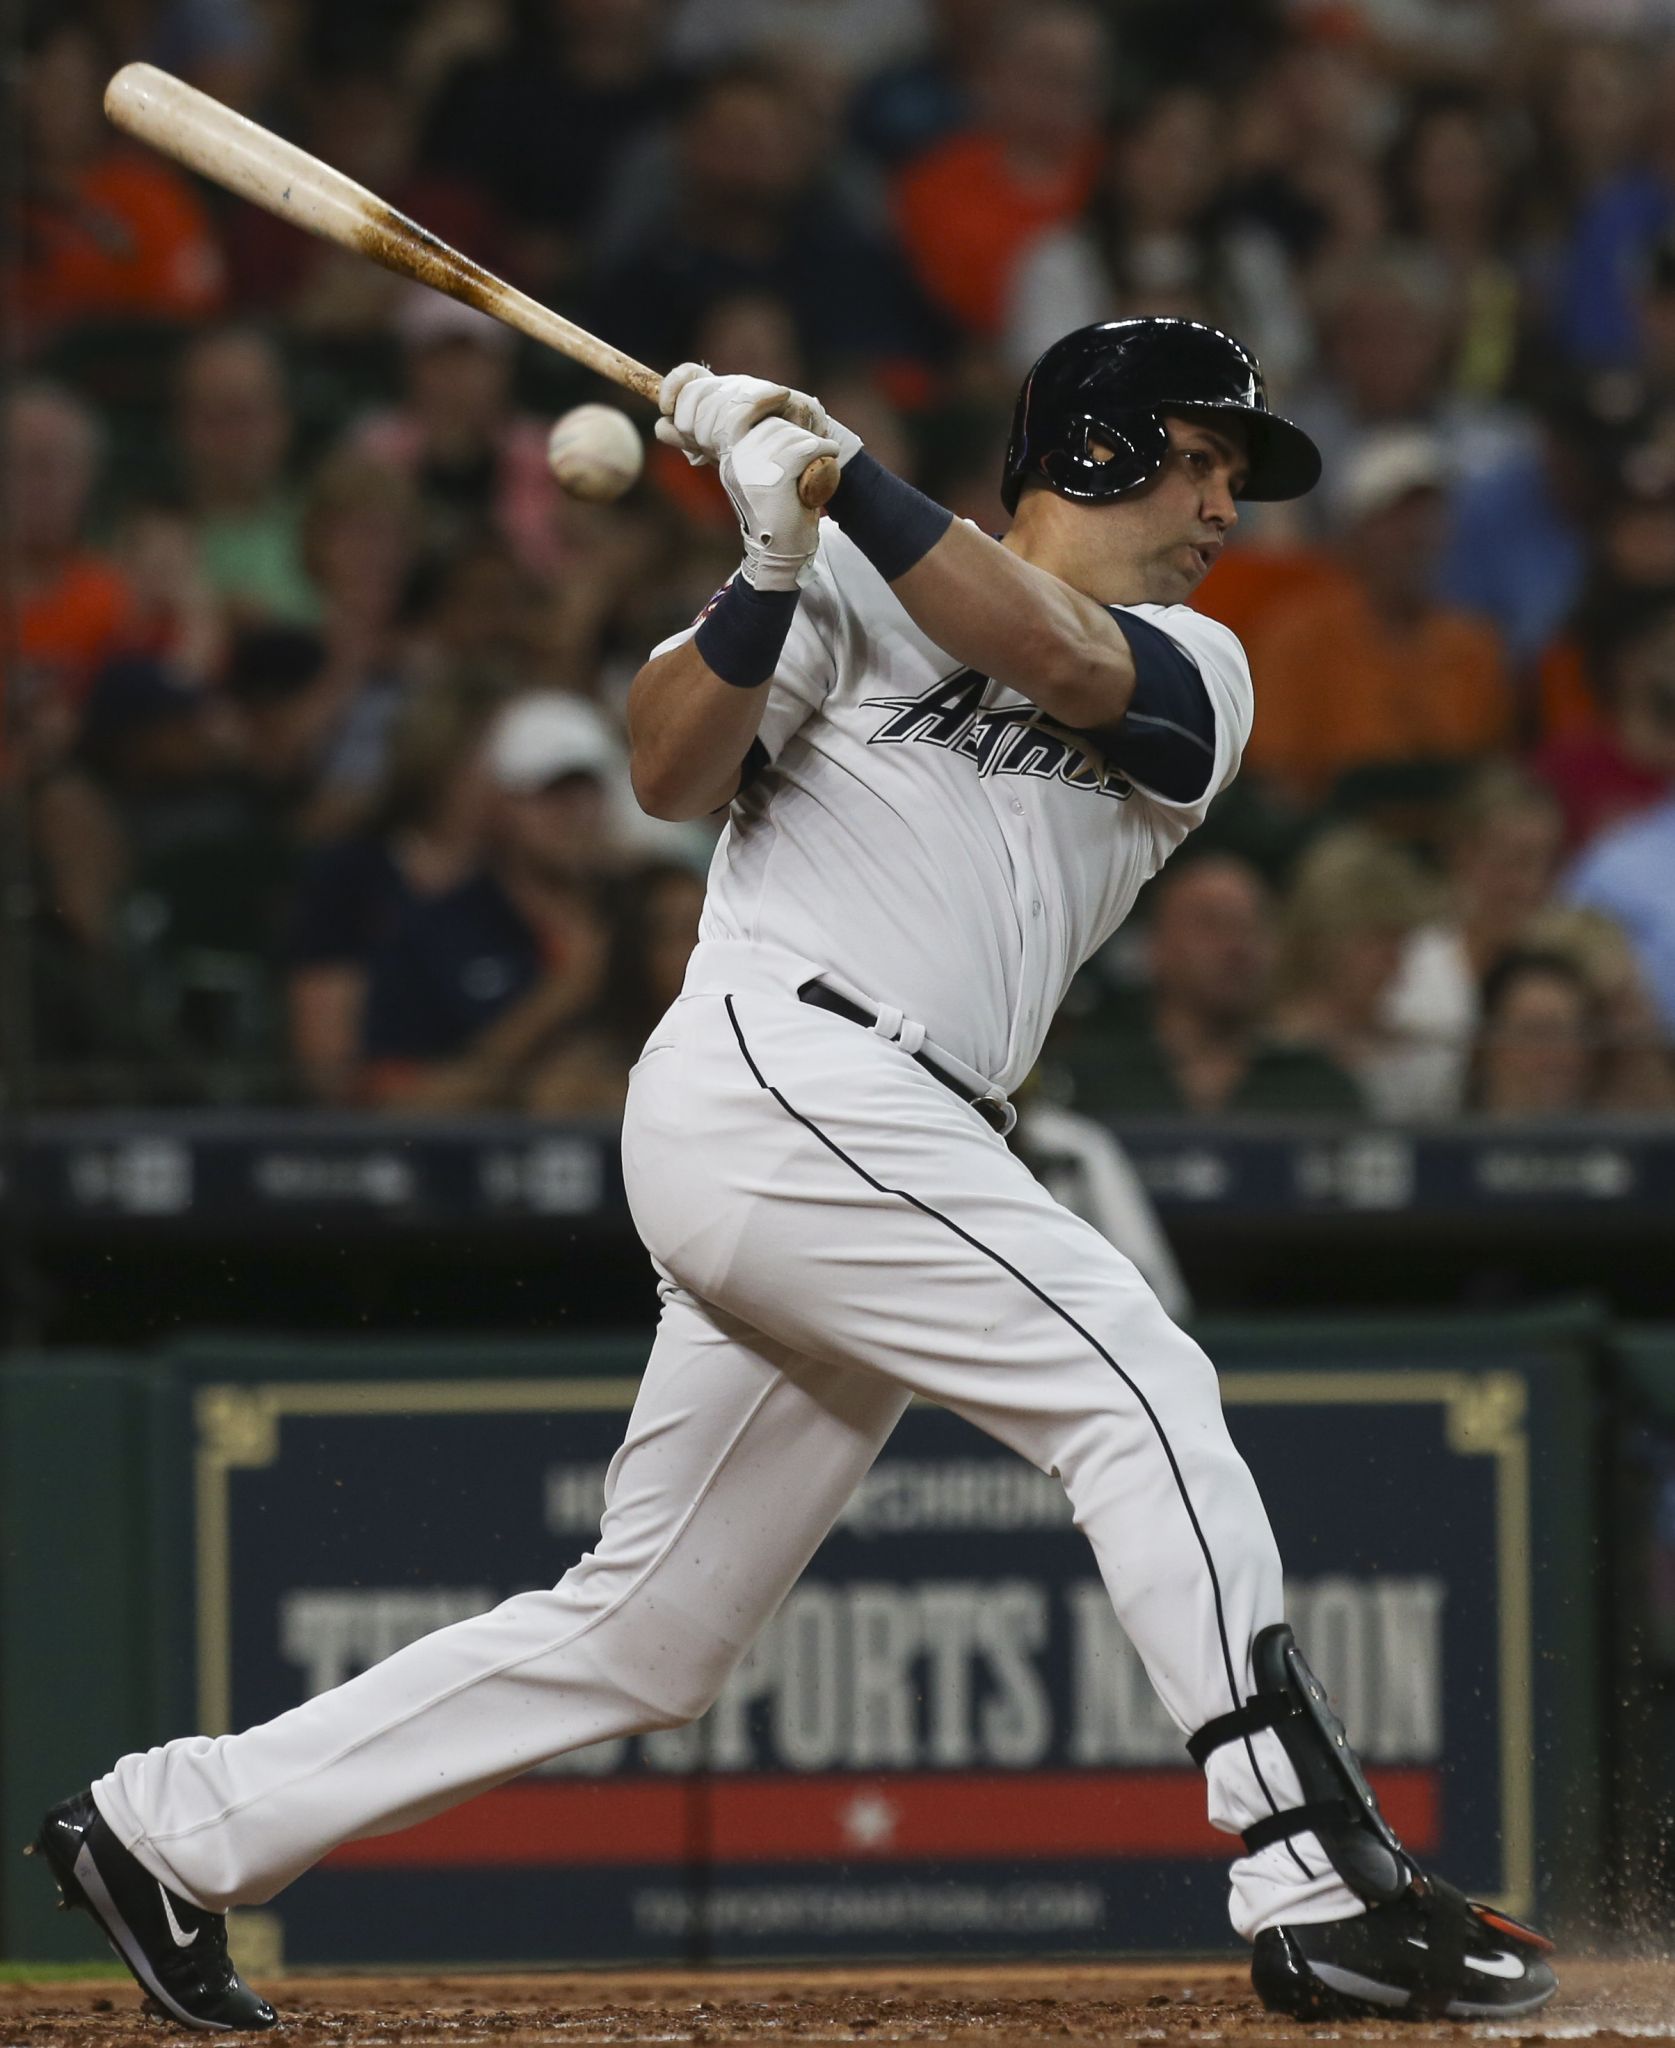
x,y
260,166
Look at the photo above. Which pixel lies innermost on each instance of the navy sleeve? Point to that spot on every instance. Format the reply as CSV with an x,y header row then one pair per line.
x,y
1166,739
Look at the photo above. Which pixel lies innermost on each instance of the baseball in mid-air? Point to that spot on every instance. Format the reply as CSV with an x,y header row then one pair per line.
x,y
595,452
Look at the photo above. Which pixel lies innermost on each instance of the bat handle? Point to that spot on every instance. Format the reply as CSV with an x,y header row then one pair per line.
x,y
818,482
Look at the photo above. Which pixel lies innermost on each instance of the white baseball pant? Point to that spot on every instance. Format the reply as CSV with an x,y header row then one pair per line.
x,y
836,1231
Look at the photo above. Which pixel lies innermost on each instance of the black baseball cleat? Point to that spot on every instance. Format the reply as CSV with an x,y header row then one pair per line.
x,y
1431,1954
176,1950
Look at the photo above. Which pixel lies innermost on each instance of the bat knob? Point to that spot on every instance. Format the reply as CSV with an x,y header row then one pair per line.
x,y
818,482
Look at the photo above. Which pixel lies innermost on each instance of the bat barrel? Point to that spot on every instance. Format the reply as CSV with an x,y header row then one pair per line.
x,y
239,154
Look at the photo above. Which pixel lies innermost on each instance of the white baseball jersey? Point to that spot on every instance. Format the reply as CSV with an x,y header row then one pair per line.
x,y
933,837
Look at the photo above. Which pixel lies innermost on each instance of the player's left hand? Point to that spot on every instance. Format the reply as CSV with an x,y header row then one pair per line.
x,y
760,473
705,416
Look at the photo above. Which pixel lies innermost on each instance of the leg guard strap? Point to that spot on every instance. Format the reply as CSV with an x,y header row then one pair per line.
x,y
1313,1819
1261,1711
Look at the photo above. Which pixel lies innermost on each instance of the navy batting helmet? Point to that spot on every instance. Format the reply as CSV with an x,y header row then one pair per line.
x,y
1114,383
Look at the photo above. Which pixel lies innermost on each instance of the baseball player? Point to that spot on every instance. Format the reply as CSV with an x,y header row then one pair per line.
x,y
951,763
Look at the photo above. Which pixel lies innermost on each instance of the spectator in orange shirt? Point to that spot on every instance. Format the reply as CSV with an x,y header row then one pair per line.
x,y
1372,668
1255,578
107,231
969,207
73,608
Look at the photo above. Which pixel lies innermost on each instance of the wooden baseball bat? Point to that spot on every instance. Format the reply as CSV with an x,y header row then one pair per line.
x,y
258,165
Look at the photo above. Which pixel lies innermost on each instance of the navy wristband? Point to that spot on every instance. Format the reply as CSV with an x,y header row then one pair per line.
x,y
891,523
742,637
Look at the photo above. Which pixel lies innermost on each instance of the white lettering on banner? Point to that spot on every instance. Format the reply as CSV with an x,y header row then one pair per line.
x,y
900,1497
933,1673
574,1499
948,1674
142,1177
1376,1645
334,1631
1373,1170
938,1675
1017,1718
1596,1172
948,1617
886,1644
1030,1906
380,1180
554,1177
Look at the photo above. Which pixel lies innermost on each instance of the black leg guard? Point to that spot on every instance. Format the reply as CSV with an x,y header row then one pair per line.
x,y
1421,1949
1338,1808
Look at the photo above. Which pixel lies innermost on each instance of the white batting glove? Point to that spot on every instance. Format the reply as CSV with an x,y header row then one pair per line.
x,y
705,415
760,473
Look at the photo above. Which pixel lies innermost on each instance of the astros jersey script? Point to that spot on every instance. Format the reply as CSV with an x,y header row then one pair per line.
x,y
835,1230
933,837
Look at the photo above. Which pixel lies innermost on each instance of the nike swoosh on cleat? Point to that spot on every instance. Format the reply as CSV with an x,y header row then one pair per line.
x,y
177,1933
1501,1964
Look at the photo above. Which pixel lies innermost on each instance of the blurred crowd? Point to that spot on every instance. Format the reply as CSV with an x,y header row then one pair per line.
x,y
314,681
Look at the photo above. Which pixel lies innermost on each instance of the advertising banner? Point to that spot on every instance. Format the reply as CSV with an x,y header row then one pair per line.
x,y
943,1742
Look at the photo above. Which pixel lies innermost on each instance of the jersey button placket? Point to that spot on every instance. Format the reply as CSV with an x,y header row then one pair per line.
x,y
1021,837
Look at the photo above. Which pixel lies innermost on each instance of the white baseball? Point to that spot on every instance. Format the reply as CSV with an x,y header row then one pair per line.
x,y
595,452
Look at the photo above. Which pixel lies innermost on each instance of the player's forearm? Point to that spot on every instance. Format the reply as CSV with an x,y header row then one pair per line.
x,y
688,735
984,604
1024,627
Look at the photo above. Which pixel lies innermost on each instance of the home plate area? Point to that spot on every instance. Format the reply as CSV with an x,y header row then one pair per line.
x,y
994,2007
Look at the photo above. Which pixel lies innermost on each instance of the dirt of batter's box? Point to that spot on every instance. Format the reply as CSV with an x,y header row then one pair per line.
x,y
1031,2006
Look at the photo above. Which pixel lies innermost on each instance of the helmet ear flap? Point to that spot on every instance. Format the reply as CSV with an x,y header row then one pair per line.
x,y
1138,442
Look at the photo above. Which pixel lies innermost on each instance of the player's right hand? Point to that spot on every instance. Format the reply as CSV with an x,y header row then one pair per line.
x,y
705,416
760,473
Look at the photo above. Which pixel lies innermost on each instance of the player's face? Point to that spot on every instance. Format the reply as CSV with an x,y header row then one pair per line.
x,y
1183,517
1157,544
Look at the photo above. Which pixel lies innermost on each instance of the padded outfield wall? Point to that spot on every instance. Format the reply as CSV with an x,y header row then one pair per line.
x,y
943,1744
